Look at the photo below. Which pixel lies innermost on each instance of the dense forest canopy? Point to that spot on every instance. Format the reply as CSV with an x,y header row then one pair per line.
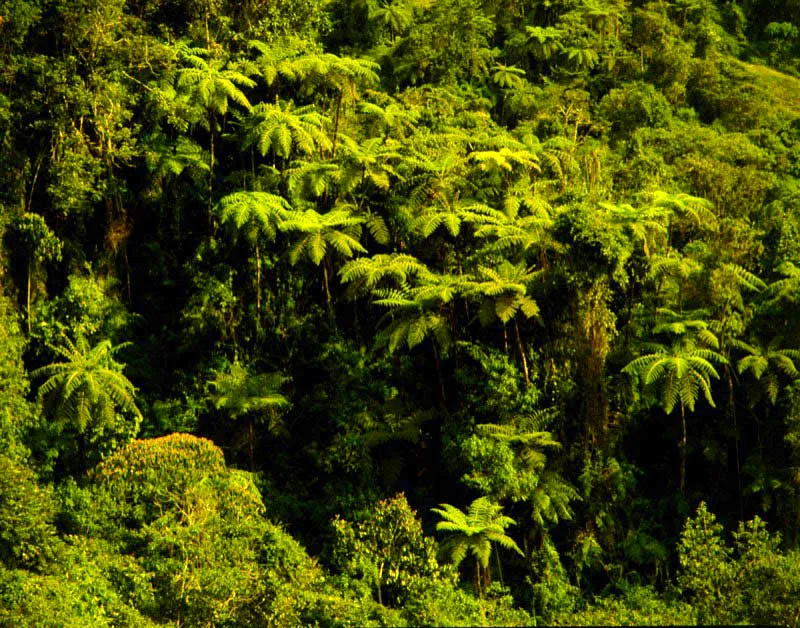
x,y
408,312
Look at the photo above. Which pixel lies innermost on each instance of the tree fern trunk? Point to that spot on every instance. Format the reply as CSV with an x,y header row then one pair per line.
x,y
439,375
732,410
499,568
682,448
30,265
127,270
336,122
524,359
258,284
251,444
211,164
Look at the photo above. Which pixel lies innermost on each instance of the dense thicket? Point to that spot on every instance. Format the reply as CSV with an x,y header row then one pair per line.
x,y
529,268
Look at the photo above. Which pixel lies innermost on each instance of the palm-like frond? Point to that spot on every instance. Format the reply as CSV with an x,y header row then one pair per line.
x,y
314,71
503,292
505,159
787,288
366,273
252,213
338,229
697,210
474,531
683,370
211,82
88,387
282,129
765,360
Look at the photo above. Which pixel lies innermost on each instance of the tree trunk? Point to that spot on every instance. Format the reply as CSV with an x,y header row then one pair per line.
x,y
127,270
380,578
30,264
682,447
439,375
732,410
499,568
251,445
524,359
258,284
211,164
336,122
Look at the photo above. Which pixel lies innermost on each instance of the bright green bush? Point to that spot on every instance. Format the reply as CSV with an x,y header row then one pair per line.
x,y
27,535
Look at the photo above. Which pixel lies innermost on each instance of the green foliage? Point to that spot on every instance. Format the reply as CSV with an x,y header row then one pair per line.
x,y
252,213
637,606
633,106
473,533
16,413
209,82
706,571
284,131
510,211
386,547
683,371
198,528
91,585
753,581
88,307
86,391
26,524
238,392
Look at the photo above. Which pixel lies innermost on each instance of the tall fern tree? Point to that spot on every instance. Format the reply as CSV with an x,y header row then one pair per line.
x,y
86,389
253,215
285,130
503,293
241,393
474,532
765,361
211,83
528,479
338,230
419,302
679,373
315,73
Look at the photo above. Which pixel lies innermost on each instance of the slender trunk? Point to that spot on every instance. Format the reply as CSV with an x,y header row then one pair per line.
x,y
336,122
442,397
251,445
630,316
732,409
478,579
380,578
499,568
521,348
327,286
30,264
258,284
82,449
33,183
682,447
211,164
127,270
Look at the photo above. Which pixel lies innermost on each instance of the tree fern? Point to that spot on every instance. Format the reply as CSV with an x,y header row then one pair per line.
x,y
252,213
241,393
473,533
86,389
680,372
765,361
282,129
211,82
